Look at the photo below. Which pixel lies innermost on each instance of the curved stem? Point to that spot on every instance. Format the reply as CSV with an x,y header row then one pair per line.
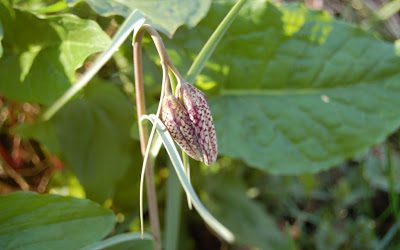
x,y
143,135
162,52
145,140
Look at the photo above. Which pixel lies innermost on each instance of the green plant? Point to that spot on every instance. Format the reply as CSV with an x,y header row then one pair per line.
x,y
294,93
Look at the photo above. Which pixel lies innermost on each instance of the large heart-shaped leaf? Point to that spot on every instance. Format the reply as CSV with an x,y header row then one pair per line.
x,y
165,15
32,221
297,90
39,64
92,135
100,147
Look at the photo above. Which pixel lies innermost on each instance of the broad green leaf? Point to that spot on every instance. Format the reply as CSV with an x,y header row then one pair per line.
x,y
44,132
41,54
132,22
32,221
123,242
126,193
165,15
296,89
245,217
92,135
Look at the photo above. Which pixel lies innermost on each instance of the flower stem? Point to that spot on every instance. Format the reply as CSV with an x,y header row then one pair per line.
x,y
143,134
148,162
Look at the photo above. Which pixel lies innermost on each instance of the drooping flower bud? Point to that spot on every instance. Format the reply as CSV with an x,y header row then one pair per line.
x,y
176,120
199,112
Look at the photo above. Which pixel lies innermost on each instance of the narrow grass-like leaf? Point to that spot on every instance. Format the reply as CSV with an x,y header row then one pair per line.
x,y
176,160
172,211
186,164
207,50
123,241
135,19
388,10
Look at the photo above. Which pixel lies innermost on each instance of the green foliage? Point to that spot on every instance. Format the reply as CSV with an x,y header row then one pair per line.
x,y
39,63
101,123
303,94
32,221
245,217
377,170
166,16
1,38
293,91
100,150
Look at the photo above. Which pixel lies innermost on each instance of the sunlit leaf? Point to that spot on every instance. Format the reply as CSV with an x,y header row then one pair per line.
x,y
296,89
165,15
32,221
41,54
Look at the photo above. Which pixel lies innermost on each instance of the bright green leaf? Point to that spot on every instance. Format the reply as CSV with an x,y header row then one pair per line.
x,y
246,218
42,54
123,242
32,221
298,90
165,15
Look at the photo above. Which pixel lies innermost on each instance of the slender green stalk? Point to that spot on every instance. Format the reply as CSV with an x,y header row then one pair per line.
x,y
211,44
388,10
393,203
186,164
393,198
116,240
173,211
384,243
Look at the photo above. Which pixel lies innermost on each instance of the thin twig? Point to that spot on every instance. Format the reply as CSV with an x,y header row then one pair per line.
x,y
8,167
16,177
44,181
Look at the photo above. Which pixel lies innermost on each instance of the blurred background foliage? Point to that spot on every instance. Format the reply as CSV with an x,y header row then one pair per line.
x,y
305,96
